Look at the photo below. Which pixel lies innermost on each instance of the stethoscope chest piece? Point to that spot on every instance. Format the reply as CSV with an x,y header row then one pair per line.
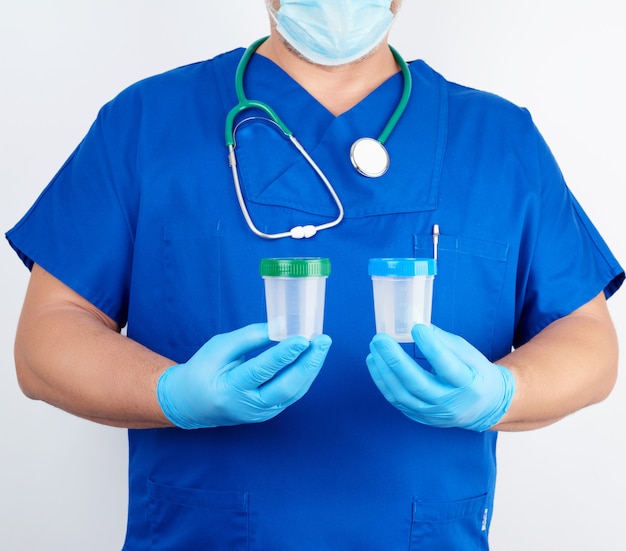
x,y
369,157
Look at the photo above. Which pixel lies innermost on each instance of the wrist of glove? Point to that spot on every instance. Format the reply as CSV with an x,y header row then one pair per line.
x,y
219,387
464,389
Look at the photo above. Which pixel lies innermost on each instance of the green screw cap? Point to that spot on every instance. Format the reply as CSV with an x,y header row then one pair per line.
x,y
295,267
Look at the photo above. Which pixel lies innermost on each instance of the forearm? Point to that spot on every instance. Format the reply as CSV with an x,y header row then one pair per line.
x,y
74,359
571,364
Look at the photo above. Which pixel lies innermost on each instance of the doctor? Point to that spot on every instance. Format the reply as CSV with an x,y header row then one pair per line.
x,y
239,443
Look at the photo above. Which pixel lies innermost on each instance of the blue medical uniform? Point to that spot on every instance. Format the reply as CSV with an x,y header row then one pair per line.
x,y
143,221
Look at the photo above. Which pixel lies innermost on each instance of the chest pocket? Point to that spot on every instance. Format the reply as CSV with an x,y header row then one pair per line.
x,y
468,288
207,289
192,285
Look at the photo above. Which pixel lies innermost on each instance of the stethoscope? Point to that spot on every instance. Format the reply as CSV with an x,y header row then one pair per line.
x,y
368,155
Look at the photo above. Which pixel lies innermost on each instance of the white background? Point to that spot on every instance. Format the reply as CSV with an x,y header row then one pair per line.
x,y
62,479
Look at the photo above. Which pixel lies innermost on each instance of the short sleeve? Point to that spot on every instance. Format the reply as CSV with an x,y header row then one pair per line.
x,y
81,228
565,262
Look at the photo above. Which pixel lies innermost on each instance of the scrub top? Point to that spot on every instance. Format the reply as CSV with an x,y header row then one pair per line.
x,y
143,221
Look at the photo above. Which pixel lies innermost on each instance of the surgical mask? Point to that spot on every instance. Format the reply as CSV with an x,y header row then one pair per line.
x,y
333,32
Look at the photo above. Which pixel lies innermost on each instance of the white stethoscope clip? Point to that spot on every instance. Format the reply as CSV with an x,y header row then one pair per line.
x,y
303,232
369,157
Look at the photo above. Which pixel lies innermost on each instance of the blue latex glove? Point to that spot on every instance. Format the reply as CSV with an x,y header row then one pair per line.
x,y
218,387
464,390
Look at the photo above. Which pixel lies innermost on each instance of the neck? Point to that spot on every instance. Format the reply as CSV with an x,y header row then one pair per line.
x,y
336,88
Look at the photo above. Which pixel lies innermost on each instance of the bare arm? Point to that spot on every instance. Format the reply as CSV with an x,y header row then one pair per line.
x,y
70,354
569,365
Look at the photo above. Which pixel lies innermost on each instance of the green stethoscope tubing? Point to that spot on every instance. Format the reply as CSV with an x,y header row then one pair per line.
x,y
243,103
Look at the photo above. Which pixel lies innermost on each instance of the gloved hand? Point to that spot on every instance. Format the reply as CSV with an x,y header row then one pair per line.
x,y
218,387
464,390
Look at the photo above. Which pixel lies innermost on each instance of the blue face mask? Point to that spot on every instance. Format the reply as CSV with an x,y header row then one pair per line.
x,y
333,32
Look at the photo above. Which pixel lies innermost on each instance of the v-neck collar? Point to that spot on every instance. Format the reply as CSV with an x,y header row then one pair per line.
x,y
416,146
